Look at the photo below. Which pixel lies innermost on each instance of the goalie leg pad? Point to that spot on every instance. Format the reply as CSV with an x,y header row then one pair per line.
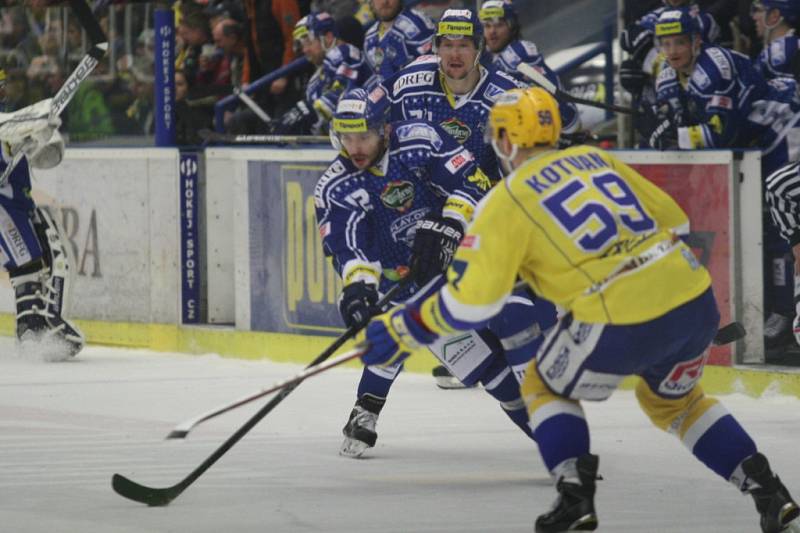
x,y
18,239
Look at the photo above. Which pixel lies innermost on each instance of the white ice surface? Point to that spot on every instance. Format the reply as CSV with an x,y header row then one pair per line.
x,y
445,460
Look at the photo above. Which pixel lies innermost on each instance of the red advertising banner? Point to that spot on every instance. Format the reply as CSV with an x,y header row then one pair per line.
x,y
703,191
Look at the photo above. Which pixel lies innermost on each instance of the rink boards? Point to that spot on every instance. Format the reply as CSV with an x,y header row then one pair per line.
x,y
218,251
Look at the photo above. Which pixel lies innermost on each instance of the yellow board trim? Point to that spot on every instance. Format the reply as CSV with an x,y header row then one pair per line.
x,y
290,348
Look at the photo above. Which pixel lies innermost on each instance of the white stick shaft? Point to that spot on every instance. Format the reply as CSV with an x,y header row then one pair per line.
x,y
182,429
249,102
70,87
538,78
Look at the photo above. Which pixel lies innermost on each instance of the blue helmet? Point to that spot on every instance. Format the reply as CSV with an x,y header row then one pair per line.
x,y
460,24
359,112
790,9
314,26
678,21
498,10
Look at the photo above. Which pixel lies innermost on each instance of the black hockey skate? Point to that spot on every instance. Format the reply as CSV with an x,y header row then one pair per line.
x,y
359,432
574,508
41,331
778,511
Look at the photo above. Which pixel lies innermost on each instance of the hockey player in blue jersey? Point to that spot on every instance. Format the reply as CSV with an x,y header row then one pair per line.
x,y
638,73
339,66
451,89
398,37
711,97
775,20
32,249
397,199
507,51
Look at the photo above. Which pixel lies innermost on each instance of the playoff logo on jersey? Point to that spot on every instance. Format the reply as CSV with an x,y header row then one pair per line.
x,y
457,129
398,195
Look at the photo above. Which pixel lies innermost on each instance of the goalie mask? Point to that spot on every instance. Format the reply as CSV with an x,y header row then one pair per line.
x,y
358,128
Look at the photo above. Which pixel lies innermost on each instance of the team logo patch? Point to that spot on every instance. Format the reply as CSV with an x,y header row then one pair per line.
x,y
720,101
683,377
395,274
457,129
398,195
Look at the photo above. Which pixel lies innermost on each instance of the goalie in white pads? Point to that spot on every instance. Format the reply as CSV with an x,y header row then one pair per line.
x,y
31,247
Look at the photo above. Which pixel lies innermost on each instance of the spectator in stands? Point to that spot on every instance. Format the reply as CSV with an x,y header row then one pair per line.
x,y
191,116
194,32
229,36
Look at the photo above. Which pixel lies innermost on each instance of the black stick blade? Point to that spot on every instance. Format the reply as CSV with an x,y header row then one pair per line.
x,y
730,333
139,493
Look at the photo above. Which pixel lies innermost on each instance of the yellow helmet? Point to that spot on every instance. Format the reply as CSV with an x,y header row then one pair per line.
x,y
530,117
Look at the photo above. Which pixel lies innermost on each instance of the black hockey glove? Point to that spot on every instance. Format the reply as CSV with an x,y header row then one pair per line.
x,y
664,136
631,76
636,40
296,121
435,244
357,303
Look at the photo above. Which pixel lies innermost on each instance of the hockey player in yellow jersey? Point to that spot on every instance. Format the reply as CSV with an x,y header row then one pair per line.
x,y
590,234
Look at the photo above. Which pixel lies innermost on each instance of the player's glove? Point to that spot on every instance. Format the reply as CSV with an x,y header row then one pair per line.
x,y
631,76
296,121
664,136
636,40
357,303
393,335
435,243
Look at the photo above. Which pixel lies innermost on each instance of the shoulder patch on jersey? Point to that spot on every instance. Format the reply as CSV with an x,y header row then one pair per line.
x,y
700,77
530,48
493,92
414,79
777,52
335,54
722,63
430,58
406,26
420,131
336,169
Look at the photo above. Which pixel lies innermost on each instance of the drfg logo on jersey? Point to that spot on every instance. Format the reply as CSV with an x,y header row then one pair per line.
x,y
398,195
457,129
683,376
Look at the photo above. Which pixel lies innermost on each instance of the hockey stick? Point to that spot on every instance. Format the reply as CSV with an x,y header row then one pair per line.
x,y
254,107
541,80
213,136
156,497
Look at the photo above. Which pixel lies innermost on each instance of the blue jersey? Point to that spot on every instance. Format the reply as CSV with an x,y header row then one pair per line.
x,y
342,68
409,37
418,92
726,103
775,60
518,52
367,218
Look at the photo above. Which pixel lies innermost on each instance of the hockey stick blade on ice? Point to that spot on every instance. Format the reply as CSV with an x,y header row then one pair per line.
x,y
541,80
156,497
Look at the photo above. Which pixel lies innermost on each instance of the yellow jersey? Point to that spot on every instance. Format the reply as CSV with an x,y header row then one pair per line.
x,y
586,232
